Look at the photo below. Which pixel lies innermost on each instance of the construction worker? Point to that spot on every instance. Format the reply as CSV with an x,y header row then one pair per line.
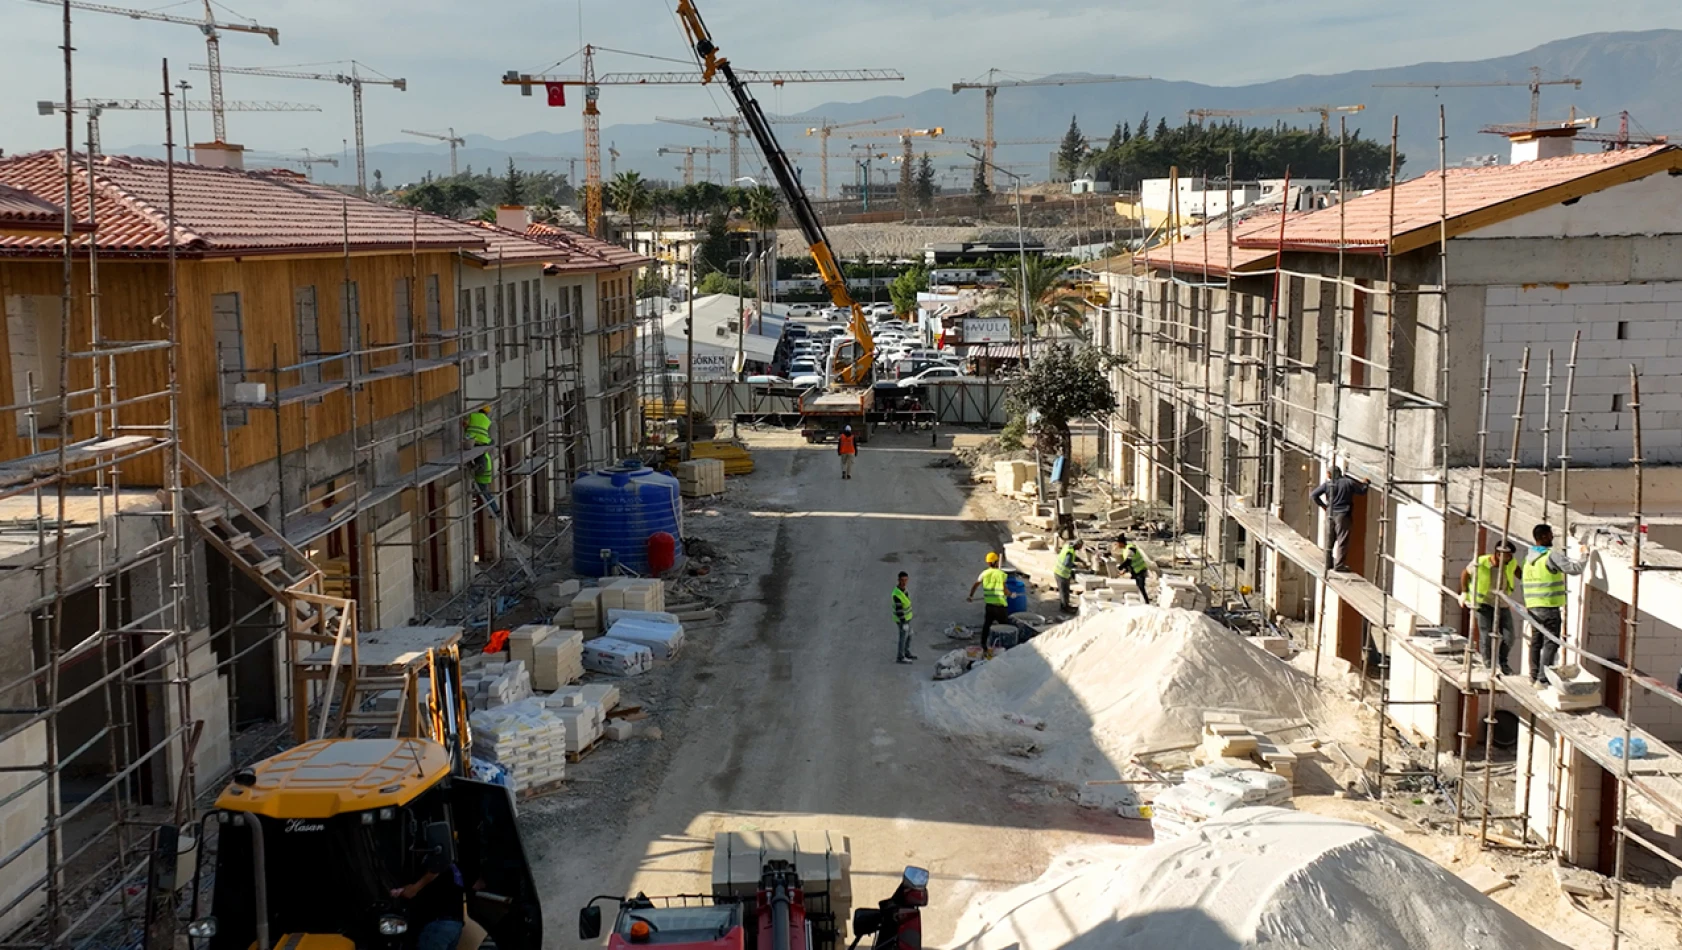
x,y
477,433
1482,580
996,605
1543,582
848,449
1064,569
1133,561
902,618
1337,495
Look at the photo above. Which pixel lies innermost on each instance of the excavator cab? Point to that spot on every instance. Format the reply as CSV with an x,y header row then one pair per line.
x,y
311,843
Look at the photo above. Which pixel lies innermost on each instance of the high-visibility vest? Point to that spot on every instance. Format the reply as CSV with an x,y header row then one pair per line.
x,y
1543,586
902,605
993,586
1135,558
1483,578
846,445
1065,566
485,471
479,428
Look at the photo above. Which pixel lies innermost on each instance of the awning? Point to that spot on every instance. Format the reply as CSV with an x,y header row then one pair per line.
x,y
994,351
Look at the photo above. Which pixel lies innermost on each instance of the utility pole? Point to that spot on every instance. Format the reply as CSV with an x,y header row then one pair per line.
x,y
689,371
186,134
1021,261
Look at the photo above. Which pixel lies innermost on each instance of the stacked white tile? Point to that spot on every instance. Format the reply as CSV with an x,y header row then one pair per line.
x,y
587,611
617,657
513,685
613,595
664,639
701,477
559,660
605,695
1008,477
583,724
526,738
523,641
640,594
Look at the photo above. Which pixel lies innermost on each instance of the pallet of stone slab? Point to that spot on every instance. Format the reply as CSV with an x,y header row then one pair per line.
x,y
736,458
664,639
587,611
605,695
617,657
698,478
558,660
539,791
642,616
523,641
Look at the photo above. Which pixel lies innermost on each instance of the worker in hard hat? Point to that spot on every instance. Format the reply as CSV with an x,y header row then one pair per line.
x,y
1064,569
1482,583
478,433
1133,563
992,585
848,448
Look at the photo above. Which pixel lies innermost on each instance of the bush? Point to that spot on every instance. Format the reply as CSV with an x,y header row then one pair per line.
x,y
1010,437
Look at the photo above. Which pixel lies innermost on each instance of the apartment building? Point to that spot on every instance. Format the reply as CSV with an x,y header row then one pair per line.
x,y
300,364
1263,352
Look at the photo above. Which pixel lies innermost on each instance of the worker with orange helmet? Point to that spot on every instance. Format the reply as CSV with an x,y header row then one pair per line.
x,y
992,586
848,448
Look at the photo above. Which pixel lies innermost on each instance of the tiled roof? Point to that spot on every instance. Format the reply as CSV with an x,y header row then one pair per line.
x,y
219,211
1206,251
1477,197
508,246
584,251
20,210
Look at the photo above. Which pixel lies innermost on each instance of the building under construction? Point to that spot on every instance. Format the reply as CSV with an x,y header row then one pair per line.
x,y
1490,348
234,440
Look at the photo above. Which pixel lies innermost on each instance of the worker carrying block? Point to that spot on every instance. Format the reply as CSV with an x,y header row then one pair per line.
x,y
477,433
993,595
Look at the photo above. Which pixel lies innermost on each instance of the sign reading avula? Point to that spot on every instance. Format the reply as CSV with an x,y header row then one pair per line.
x,y
987,330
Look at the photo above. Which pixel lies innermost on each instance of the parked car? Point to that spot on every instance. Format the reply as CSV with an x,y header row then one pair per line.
x,y
797,331
803,365
882,309
768,380
807,381
931,374
799,310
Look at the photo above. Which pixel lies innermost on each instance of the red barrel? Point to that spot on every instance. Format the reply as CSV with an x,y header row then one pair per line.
x,y
662,552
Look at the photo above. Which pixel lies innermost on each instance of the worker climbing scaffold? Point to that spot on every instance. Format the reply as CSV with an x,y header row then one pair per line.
x,y
483,465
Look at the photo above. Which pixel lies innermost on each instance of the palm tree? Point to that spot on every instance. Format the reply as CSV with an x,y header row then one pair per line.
x,y
1051,301
630,196
763,213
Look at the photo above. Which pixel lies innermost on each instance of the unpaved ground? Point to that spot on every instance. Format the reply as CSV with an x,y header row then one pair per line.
x,y
793,714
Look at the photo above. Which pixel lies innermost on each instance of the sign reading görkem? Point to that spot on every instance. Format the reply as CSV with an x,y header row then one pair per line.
x,y
987,330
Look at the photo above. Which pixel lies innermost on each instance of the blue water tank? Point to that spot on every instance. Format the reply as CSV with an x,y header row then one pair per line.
x,y
616,510
1016,594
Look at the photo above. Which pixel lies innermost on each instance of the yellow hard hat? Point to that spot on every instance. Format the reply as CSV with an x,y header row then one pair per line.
x,y
992,557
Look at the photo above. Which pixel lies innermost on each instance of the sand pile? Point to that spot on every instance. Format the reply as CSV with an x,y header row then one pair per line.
x,y
1113,685
1258,877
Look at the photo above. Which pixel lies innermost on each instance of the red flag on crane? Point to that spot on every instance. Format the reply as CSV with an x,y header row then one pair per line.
x,y
557,93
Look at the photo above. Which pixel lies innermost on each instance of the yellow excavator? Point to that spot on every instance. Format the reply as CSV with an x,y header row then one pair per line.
x,y
315,846
847,398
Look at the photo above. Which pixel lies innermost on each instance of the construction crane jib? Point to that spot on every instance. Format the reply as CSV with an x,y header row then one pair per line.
x,y
993,84
451,138
852,368
208,25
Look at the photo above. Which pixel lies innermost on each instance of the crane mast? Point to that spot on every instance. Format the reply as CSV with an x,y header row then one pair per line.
x,y
851,370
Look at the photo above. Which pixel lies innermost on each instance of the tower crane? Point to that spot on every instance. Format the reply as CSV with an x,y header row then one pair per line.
x,y
352,78
592,84
612,160
731,125
571,160
689,152
308,160
992,84
94,107
904,135
823,130
1324,111
1534,84
208,25
451,138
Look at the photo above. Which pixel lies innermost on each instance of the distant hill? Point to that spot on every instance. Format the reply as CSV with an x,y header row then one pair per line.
x,y
1638,72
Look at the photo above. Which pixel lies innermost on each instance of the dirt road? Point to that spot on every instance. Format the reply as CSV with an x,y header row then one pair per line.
x,y
793,713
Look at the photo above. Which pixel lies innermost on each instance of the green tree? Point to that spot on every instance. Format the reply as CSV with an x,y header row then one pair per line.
x,y
1051,299
907,192
982,187
629,195
1107,164
512,193
1062,384
926,188
1126,133
1144,129
713,255
379,182
904,289
1073,149
717,282
1162,127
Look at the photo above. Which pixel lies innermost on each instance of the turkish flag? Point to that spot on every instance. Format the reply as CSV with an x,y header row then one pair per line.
x,y
557,93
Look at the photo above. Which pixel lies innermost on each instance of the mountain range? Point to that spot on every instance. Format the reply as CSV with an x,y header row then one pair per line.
x,y
1637,72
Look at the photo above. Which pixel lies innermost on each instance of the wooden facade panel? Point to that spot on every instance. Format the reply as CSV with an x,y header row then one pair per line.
x,y
132,304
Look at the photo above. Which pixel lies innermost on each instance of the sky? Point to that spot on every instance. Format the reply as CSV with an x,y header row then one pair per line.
x,y
452,53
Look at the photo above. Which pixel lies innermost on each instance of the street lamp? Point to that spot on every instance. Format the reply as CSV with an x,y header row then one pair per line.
x,y
1021,258
759,269
184,85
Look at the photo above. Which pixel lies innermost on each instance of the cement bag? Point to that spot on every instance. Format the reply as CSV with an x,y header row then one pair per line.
x,y
662,639
617,658
650,616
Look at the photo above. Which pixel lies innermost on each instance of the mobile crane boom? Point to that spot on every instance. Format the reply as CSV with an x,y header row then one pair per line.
x,y
848,368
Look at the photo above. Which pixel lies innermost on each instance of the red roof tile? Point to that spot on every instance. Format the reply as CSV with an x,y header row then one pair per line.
x,y
21,210
585,252
1206,252
1419,202
218,211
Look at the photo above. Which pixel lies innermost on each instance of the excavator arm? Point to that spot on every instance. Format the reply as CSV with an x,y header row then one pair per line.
x,y
853,369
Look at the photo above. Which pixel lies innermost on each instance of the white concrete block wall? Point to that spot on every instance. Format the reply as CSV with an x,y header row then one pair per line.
x,y
20,820
1620,324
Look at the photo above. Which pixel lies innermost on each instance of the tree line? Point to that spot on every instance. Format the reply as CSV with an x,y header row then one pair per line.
x,y
1133,154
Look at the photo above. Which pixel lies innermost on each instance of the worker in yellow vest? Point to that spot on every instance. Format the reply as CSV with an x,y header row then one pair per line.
x,y
478,432
902,618
1481,584
1134,563
1543,582
996,606
1064,569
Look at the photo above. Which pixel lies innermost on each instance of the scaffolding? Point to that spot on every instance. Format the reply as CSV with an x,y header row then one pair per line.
x,y
1218,367
97,736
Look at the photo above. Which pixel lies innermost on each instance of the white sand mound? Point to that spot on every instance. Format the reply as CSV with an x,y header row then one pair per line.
x,y
1256,877
1113,684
